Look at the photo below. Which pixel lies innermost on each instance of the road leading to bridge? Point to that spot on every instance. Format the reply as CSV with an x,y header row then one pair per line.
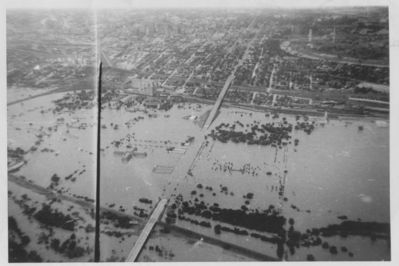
x,y
194,152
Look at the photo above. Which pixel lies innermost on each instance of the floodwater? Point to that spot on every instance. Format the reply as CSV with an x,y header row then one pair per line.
x,y
337,170
26,122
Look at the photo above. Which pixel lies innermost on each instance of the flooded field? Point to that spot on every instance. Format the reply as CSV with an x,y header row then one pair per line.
x,y
316,190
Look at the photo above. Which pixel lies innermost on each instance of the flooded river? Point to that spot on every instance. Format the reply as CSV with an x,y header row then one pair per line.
x,y
338,172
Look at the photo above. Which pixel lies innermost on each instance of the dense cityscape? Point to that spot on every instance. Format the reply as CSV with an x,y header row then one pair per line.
x,y
225,134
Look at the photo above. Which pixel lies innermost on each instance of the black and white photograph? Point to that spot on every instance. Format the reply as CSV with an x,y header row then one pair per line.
x,y
198,131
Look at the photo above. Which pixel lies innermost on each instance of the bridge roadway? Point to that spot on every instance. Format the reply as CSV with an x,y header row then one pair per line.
x,y
138,246
218,102
187,162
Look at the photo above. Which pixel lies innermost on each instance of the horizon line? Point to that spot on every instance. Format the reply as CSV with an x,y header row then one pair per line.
x,y
197,7
192,4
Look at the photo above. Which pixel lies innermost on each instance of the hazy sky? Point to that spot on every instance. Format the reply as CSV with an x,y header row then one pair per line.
x,y
187,3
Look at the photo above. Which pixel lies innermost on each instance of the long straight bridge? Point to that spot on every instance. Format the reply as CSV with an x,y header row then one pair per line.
x,y
138,246
218,102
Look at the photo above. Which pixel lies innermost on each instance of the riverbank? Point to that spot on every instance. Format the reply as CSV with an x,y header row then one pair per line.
x,y
174,229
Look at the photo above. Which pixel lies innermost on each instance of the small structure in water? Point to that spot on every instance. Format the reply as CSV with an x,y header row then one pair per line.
x,y
163,169
127,156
